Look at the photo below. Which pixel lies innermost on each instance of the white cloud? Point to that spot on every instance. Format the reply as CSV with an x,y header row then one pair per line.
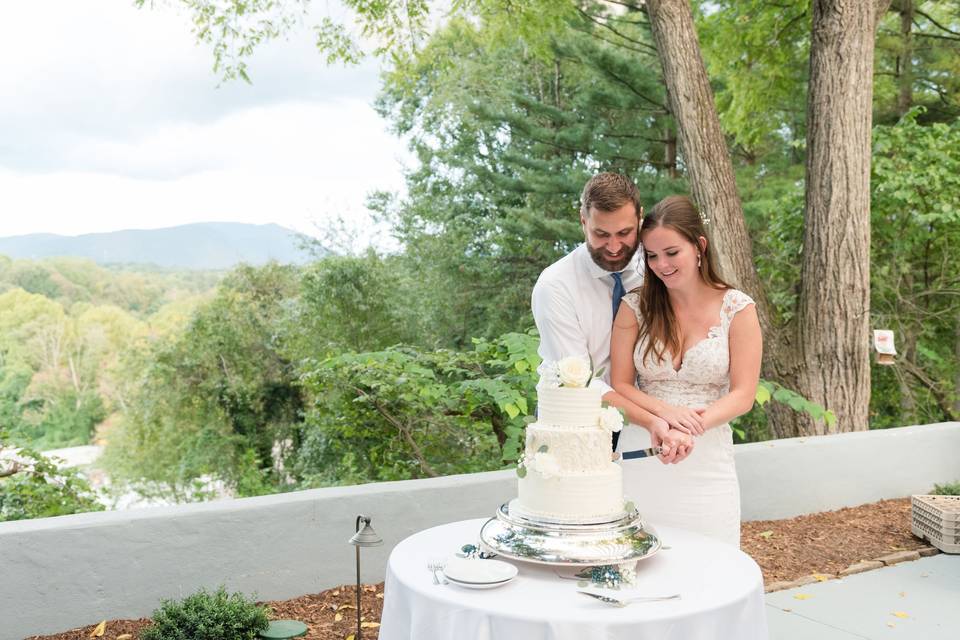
x,y
110,117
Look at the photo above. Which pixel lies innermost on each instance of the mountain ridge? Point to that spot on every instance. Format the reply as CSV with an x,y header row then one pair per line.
x,y
199,245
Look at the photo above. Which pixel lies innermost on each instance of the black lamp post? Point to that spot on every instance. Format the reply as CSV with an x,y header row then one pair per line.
x,y
364,537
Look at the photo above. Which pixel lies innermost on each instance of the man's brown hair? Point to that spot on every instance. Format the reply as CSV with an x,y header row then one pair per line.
x,y
608,192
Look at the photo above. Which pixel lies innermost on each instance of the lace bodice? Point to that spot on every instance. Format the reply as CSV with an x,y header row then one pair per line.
x,y
704,374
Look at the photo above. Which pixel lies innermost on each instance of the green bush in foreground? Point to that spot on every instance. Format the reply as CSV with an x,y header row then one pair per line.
x,y
947,489
208,616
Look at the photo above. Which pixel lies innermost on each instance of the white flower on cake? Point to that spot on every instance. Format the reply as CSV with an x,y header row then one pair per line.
x,y
574,372
546,464
611,419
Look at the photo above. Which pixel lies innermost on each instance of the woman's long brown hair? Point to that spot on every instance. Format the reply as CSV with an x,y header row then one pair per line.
x,y
657,321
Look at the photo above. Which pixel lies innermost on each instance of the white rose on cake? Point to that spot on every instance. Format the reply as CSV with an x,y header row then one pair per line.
x,y
611,418
574,372
546,464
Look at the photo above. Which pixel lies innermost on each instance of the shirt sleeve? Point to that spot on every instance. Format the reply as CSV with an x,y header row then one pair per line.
x,y
561,334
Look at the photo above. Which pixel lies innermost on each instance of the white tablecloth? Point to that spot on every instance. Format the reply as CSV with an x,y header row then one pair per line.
x,y
721,588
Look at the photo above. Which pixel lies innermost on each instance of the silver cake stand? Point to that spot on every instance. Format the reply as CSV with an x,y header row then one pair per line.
x,y
513,535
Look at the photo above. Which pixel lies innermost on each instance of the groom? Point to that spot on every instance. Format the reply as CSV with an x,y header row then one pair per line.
x,y
576,298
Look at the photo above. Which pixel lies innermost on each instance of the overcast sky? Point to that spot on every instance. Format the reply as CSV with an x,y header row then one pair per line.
x,y
111,118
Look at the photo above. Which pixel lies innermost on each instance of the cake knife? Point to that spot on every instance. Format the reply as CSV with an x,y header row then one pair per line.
x,y
642,453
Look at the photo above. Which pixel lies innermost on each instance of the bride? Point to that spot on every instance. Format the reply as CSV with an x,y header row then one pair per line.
x,y
686,347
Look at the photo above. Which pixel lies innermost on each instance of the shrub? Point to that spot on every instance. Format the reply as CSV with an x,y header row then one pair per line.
x,y
208,616
947,489
32,486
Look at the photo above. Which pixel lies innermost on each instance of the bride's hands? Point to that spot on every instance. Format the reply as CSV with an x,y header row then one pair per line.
x,y
681,418
676,444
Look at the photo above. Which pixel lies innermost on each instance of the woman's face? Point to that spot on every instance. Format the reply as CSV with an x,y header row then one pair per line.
x,y
671,257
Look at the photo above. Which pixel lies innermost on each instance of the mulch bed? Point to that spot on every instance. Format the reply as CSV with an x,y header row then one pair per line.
x,y
824,543
830,541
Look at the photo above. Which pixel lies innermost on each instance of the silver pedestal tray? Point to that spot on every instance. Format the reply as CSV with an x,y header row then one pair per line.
x,y
564,543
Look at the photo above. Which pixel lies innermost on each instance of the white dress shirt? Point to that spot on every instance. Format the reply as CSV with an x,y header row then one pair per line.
x,y
573,308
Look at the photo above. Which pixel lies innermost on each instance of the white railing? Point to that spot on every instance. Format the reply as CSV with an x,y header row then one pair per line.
x,y
59,573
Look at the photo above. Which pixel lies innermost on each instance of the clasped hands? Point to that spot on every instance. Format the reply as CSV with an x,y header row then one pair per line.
x,y
674,431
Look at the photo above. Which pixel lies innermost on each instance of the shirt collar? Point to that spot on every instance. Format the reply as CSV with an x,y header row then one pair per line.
x,y
599,272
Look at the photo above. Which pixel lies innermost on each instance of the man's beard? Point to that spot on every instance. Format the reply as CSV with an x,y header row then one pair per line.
x,y
612,265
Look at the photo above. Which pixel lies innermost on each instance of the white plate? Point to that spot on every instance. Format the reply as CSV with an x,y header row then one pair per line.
x,y
478,572
478,585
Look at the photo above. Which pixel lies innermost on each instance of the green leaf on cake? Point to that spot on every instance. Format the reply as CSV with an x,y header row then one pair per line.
x,y
629,506
543,449
599,372
521,472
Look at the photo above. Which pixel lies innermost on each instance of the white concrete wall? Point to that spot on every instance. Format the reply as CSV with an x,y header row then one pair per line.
x,y
785,478
59,573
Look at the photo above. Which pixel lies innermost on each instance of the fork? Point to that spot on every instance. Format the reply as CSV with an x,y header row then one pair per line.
x,y
435,568
622,602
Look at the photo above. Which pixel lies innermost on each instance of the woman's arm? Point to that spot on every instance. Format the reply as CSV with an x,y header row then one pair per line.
x,y
677,445
746,349
623,374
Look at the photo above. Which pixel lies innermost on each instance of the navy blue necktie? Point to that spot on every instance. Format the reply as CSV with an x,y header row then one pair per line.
x,y
617,297
617,292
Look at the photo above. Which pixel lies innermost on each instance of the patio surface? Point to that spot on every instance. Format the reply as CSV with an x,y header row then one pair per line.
x,y
918,600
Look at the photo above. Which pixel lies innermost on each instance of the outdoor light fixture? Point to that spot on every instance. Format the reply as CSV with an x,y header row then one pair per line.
x,y
364,537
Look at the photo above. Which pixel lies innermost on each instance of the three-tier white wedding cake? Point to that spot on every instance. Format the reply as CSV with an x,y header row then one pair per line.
x,y
565,473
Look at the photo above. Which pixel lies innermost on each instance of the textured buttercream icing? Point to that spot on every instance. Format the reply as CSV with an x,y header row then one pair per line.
x,y
569,474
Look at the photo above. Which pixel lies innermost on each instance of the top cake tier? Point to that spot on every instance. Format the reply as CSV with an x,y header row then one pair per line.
x,y
566,407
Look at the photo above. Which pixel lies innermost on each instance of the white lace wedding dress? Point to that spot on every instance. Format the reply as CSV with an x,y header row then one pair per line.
x,y
701,493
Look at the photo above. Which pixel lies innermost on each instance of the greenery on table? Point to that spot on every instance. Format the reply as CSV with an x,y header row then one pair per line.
x,y
208,616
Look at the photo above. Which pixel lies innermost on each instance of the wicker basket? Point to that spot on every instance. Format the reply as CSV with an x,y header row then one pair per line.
x,y
937,518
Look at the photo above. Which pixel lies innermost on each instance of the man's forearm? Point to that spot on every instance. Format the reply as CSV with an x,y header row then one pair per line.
x,y
635,414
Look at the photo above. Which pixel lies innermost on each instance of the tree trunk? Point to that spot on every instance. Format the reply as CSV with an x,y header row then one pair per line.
x,y
905,60
834,312
670,152
701,139
826,358
708,163
908,353
956,382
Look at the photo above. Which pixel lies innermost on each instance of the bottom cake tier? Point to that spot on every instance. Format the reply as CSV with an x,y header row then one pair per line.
x,y
595,496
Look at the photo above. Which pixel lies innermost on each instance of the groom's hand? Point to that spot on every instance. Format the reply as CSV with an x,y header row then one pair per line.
x,y
682,418
685,446
675,444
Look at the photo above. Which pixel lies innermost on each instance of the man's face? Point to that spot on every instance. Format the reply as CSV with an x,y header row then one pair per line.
x,y
612,237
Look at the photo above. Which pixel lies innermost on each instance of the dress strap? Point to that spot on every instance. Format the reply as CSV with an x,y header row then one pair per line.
x,y
733,302
632,299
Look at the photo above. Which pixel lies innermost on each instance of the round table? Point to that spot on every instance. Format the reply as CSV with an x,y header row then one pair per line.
x,y
721,589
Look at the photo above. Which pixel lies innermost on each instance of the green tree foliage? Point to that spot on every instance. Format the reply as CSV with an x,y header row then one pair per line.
x,y
32,486
916,274
139,290
355,303
403,413
918,61
506,134
370,367
218,397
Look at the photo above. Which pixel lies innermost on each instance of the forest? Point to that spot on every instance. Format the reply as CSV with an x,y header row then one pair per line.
x,y
373,366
